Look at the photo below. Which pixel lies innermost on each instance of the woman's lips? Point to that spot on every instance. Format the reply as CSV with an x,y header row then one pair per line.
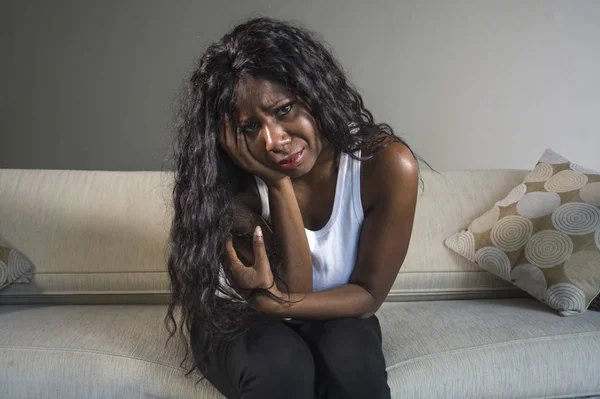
x,y
292,162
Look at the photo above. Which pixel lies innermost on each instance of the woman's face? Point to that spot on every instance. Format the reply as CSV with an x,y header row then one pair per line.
x,y
280,131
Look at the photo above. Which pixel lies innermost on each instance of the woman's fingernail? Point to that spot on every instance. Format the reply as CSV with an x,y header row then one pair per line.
x,y
258,231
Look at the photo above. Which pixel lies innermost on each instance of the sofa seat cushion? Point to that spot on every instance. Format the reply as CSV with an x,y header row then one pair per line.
x,y
442,349
92,351
500,348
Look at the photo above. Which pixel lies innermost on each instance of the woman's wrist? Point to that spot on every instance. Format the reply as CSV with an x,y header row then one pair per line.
x,y
266,303
279,184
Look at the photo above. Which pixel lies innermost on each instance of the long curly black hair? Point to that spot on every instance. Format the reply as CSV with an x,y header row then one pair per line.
x,y
206,180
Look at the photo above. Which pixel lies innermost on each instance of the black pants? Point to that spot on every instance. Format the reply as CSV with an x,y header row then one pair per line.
x,y
339,358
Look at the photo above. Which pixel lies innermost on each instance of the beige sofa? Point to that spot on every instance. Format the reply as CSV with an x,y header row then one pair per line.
x,y
90,324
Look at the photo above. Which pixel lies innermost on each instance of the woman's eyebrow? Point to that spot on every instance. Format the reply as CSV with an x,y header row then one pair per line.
x,y
274,104
268,108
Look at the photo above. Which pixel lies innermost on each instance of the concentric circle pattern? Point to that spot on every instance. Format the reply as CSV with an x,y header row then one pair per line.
x,y
565,181
541,172
511,233
544,236
576,218
494,261
463,244
566,298
3,273
548,248
515,195
17,265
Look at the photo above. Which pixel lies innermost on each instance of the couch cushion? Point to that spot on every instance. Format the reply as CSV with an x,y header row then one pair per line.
x,y
502,348
442,349
95,351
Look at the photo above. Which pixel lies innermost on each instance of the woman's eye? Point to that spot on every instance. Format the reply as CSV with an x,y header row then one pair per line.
x,y
251,128
285,109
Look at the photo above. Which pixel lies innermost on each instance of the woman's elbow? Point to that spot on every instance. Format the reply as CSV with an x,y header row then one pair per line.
x,y
372,304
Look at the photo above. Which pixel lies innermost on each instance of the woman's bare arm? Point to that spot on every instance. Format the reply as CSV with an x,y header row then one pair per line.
x,y
288,230
383,244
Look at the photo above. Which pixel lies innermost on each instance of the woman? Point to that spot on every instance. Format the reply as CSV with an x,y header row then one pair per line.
x,y
293,214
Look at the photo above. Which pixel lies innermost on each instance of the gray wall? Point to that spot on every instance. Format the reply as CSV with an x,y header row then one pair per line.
x,y
470,84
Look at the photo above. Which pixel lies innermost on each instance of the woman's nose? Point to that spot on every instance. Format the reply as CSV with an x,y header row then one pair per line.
x,y
275,137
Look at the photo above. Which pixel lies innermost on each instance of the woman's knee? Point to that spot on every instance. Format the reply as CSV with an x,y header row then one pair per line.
x,y
278,361
352,360
351,346
349,337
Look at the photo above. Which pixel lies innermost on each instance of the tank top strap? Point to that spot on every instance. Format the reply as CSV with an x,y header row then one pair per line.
x,y
356,188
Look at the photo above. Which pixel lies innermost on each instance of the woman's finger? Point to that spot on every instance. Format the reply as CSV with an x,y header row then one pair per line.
x,y
244,150
242,145
231,254
243,277
260,252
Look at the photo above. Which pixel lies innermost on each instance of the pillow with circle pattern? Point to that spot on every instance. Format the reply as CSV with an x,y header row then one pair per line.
x,y
14,267
544,237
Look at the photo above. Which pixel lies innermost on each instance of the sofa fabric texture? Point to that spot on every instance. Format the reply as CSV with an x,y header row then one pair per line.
x,y
497,348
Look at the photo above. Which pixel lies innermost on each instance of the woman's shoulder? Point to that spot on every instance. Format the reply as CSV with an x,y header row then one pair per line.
x,y
393,164
390,152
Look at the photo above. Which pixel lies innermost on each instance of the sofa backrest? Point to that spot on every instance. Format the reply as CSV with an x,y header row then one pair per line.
x,y
101,237
94,236
447,204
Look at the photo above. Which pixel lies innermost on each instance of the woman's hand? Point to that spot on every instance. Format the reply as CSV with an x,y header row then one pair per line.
x,y
235,144
259,275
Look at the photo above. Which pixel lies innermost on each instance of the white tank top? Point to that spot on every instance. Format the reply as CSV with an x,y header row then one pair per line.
x,y
334,247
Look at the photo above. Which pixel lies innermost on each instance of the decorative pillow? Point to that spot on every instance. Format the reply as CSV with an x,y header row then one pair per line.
x,y
544,237
14,267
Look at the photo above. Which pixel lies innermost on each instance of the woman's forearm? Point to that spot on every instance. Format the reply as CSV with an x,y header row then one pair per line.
x,y
348,300
288,229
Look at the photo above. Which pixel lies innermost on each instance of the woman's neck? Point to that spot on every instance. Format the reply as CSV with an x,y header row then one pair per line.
x,y
324,169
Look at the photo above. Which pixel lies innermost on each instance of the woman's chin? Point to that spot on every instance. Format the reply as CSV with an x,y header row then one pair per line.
x,y
301,170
